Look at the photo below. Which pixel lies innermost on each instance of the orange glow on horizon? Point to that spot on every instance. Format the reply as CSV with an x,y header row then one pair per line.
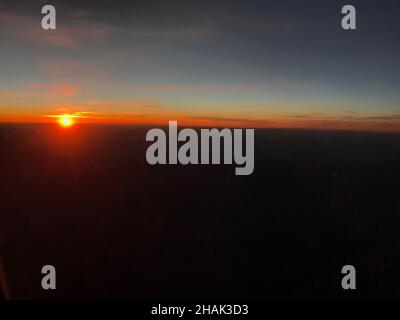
x,y
223,120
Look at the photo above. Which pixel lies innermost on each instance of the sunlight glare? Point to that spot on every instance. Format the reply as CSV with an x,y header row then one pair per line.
x,y
65,120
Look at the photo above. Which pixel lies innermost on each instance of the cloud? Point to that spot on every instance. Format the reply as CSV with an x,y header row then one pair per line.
x,y
347,115
61,89
185,33
393,117
306,116
41,92
227,121
203,88
73,114
147,106
347,120
81,29
123,104
70,68
11,94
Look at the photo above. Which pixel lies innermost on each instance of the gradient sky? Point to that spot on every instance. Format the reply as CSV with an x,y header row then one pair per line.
x,y
223,63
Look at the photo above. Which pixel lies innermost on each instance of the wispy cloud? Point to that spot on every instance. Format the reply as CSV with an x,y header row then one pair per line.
x,y
54,90
11,94
202,88
82,29
74,114
65,68
147,106
230,120
391,117
347,120
123,104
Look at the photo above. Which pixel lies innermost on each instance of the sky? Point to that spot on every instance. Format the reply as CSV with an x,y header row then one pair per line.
x,y
286,64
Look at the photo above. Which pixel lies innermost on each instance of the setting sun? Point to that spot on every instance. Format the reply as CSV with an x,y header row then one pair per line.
x,y
66,120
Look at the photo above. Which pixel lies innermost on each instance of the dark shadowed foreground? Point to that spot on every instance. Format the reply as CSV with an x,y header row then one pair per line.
x,y
85,200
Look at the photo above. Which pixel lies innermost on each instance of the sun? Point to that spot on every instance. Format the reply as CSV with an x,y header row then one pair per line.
x,y
65,120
